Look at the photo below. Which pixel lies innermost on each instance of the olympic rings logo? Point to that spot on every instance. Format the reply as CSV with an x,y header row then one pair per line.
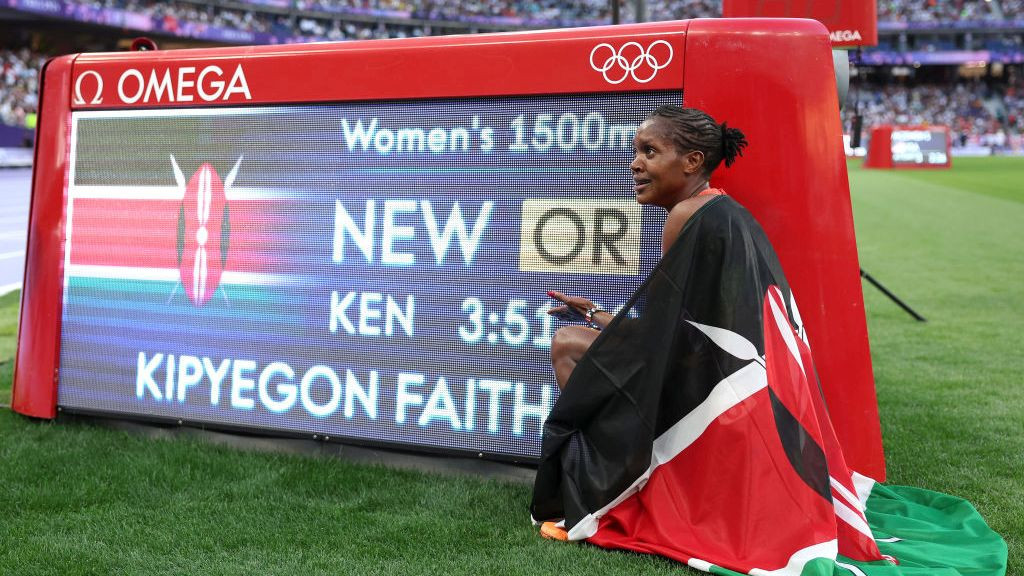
x,y
631,59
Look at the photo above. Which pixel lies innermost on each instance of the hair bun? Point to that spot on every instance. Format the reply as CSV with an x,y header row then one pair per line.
x,y
733,143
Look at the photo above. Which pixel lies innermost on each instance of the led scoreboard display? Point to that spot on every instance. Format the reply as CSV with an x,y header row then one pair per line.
x,y
909,147
374,270
354,241
920,146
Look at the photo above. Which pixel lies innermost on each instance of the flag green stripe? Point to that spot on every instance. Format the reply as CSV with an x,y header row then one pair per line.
x,y
942,535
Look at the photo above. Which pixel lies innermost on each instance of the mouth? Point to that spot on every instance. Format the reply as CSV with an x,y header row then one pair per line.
x,y
639,184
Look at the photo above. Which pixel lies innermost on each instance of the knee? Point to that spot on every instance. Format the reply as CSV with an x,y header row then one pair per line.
x,y
561,343
570,342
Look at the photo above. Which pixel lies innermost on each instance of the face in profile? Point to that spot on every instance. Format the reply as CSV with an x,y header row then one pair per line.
x,y
662,175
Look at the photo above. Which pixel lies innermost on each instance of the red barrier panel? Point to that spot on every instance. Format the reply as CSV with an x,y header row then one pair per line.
x,y
849,22
793,179
37,359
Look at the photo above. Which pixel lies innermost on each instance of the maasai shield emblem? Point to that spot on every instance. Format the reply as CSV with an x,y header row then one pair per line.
x,y
203,230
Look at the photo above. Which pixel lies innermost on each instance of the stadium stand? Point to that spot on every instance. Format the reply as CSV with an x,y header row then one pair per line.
x,y
937,11
925,69
980,117
20,69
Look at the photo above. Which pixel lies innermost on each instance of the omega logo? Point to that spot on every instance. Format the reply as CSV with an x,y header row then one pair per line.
x,y
98,97
183,84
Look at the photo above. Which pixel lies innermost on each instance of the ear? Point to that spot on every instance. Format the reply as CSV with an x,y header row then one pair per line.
x,y
693,162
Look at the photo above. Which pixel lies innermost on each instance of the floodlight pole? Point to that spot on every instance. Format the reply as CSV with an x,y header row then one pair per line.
x,y
641,10
891,296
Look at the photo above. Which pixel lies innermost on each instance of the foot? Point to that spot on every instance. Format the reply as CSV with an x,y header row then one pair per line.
x,y
551,531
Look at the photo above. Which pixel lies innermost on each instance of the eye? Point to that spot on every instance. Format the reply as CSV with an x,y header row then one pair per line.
x,y
649,150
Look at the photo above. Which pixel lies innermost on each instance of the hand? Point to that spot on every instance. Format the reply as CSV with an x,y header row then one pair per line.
x,y
575,305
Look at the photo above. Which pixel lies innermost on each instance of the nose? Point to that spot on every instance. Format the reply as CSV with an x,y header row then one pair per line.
x,y
636,164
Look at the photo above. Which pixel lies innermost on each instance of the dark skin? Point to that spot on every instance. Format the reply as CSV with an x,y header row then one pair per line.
x,y
664,176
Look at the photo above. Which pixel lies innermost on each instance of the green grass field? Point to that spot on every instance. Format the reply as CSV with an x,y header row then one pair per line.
x,y
83,499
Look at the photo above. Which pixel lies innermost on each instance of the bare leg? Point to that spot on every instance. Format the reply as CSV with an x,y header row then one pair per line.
x,y
567,347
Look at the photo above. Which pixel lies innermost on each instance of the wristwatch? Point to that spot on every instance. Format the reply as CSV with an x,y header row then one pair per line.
x,y
589,317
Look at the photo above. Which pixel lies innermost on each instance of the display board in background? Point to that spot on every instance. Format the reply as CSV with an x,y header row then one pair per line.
x,y
909,147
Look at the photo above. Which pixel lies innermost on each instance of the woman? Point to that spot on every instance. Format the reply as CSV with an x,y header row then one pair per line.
x,y
692,424
676,151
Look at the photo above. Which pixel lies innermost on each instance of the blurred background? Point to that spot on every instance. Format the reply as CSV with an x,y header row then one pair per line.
x,y
950,62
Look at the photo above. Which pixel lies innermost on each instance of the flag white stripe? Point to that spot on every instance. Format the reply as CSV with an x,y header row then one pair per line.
x,y
204,272
828,549
889,540
855,520
850,497
205,196
857,571
784,328
864,485
731,391
173,193
174,275
195,275
127,192
699,564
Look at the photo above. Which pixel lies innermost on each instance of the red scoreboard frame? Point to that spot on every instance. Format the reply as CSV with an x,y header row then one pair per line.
x,y
772,78
850,22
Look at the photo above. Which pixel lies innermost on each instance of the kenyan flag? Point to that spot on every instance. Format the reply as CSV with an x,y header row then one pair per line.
x,y
694,428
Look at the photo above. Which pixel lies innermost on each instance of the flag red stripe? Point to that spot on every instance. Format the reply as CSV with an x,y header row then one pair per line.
x,y
144,233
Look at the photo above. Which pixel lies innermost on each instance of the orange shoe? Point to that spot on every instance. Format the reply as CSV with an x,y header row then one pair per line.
x,y
551,531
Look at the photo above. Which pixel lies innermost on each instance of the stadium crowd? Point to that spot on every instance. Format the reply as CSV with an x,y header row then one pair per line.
x,y
188,19
975,113
978,116
19,72
561,11
362,19
308,16
263,13
937,11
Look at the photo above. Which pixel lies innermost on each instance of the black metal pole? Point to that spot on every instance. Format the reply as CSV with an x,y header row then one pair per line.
x,y
891,296
615,12
858,120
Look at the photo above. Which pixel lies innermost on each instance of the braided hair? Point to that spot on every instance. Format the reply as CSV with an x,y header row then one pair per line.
x,y
693,129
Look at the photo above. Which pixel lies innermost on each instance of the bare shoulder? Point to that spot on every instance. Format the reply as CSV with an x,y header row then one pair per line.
x,y
677,218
